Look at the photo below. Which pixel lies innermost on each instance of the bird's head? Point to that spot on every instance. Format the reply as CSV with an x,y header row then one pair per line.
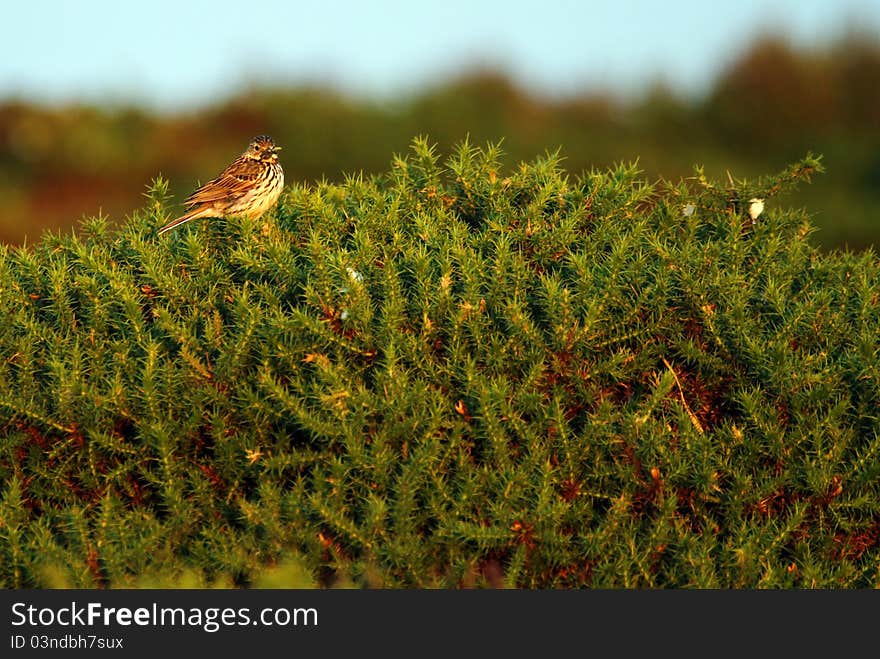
x,y
262,147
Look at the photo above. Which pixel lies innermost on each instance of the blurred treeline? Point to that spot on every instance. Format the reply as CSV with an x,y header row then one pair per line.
x,y
769,107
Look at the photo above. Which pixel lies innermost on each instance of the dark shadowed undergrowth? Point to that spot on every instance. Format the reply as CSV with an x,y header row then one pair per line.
x,y
456,374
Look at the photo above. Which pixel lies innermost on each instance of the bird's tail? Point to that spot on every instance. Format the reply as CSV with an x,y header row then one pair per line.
x,y
194,214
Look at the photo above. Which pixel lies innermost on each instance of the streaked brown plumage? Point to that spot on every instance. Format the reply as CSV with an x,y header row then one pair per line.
x,y
249,186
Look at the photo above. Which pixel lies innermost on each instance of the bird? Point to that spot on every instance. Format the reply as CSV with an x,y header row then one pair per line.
x,y
756,207
249,186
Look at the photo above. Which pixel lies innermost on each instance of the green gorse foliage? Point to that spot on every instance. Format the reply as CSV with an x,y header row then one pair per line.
x,y
450,375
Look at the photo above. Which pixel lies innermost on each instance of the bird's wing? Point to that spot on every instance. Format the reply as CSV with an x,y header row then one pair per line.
x,y
234,181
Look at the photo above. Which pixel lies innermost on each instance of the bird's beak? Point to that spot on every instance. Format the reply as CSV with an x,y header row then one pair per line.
x,y
276,149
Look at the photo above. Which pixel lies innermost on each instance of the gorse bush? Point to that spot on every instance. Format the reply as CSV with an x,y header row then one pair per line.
x,y
450,375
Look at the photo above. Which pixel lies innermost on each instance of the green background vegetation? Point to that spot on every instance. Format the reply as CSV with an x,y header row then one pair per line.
x,y
461,372
770,106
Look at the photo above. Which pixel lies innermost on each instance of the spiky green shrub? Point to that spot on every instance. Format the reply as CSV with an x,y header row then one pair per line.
x,y
450,375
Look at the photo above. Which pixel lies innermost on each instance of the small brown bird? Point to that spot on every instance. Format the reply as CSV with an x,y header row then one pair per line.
x,y
249,186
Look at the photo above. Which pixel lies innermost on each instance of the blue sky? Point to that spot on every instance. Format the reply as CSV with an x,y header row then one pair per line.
x,y
176,55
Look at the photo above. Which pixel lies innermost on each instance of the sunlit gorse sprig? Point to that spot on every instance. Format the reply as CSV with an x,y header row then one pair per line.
x,y
459,373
